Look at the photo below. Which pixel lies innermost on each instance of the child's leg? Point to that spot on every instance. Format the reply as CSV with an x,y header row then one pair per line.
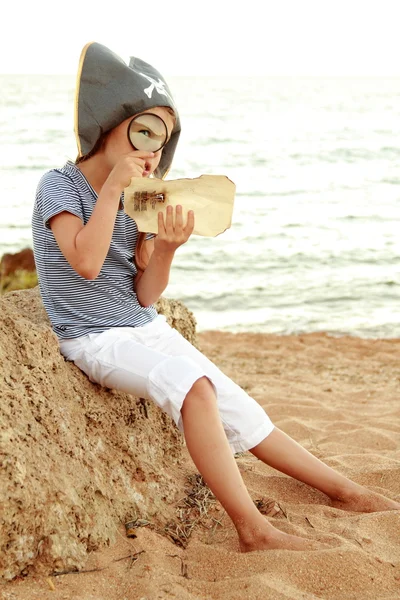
x,y
209,448
284,454
179,382
240,412
182,389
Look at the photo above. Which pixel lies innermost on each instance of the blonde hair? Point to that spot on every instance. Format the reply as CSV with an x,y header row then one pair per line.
x,y
141,257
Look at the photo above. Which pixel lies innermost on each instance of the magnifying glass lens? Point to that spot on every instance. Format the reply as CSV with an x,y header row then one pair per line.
x,y
147,132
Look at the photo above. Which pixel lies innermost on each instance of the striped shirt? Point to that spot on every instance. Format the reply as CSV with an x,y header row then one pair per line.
x,y
77,306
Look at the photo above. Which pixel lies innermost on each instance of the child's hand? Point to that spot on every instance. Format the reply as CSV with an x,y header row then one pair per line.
x,y
130,165
171,236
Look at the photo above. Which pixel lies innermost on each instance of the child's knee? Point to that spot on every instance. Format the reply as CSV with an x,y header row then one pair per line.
x,y
175,380
202,389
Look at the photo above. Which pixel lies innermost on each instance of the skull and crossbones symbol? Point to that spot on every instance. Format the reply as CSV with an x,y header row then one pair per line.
x,y
158,85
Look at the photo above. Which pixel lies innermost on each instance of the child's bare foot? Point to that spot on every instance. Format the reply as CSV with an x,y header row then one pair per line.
x,y
273,539
360,499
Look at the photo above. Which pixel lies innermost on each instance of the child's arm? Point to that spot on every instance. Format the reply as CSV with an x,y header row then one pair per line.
x,y
151,283
86,246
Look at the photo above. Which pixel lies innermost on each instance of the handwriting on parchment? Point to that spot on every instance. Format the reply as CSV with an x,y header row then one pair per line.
x,y
142,199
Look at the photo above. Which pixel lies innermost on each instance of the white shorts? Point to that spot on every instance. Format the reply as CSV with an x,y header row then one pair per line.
x,y
156,362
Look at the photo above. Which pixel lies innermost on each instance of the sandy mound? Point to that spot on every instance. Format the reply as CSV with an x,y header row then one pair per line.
x,y
76,459
339,397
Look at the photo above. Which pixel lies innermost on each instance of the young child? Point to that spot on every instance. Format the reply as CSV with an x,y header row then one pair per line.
x,y
99,279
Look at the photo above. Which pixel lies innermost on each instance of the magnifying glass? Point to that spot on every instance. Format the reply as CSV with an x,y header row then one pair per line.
x,y
147,132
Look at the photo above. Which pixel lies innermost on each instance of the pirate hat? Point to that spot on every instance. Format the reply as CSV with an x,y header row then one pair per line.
x,y
108,91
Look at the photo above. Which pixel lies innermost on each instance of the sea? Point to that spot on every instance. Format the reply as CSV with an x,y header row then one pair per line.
x,y
314,244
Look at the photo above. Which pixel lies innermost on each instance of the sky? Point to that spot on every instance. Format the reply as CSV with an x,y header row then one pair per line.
x,y
207,37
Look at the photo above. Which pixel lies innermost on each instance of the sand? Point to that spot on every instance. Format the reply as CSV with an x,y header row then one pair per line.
x,y
338,397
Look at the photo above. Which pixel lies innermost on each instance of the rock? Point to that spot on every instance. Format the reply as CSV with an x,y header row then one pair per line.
x,y
23,260
76,459
17,271
179,317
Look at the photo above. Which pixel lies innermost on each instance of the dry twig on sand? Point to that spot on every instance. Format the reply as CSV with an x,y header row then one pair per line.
x,y
269,507
192,510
